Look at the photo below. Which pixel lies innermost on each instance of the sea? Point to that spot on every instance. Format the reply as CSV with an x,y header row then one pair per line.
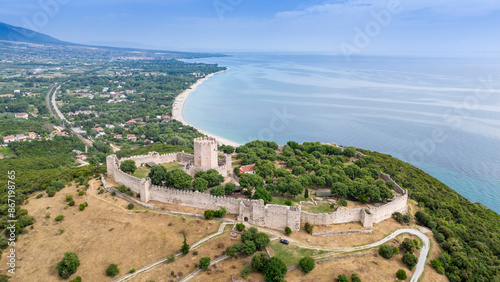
x,y
441,115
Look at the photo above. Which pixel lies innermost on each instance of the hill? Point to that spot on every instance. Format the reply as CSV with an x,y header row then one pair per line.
x,y
19,34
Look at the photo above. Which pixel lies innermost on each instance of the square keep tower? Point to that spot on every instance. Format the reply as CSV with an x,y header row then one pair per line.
x,y
205,153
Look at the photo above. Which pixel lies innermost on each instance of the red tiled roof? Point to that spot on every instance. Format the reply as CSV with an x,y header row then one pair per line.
x,y
247,168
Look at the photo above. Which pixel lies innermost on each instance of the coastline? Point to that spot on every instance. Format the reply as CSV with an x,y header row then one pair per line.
x,y
178,108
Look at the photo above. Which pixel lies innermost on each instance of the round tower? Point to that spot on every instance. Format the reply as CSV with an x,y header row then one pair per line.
x,y
205,153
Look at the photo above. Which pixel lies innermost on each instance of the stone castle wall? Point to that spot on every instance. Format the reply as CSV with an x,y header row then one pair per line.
x,y
253,211
206,153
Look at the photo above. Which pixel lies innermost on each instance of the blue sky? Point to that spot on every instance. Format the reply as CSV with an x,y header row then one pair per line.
x,y
423,27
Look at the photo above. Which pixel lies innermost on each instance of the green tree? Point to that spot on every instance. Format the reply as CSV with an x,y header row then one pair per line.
x,y
407,246
386,251
229,187
410,260
275,270
306,264
68,265
308,227
228,149
349,152
200,184
179,179
158,174
240,226
342,278
306,193
204,263
112,270
295,188
259,261
401,274
128,166
249,247
355,278
261,240
231,251
288,231
217,191
185,246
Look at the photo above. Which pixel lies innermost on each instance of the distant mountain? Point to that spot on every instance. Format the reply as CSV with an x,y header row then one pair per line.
x,y
19,34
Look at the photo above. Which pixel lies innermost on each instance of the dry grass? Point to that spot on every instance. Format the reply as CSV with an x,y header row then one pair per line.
x,y
104,233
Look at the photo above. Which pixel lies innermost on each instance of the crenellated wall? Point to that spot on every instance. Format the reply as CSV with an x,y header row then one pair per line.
x,y
253,211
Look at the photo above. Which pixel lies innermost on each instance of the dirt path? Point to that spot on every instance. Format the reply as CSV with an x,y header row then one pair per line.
x,y
194,246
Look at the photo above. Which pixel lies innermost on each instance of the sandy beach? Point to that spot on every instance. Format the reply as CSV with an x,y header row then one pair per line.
x,y
178,107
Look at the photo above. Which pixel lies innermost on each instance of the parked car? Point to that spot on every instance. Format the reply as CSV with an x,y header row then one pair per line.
x,y
283,241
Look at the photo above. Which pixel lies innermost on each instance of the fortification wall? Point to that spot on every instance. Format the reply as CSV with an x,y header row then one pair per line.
x,y
122,178
387,177
154,157
196,199
398,204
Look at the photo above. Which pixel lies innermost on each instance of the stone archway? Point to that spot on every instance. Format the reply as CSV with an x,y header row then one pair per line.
x,y
245,219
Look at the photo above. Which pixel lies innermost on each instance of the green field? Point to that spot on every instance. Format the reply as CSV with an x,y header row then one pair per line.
x,y
6,152
144,171
291,254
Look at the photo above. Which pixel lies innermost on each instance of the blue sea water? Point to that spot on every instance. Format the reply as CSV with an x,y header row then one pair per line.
x,y
441,115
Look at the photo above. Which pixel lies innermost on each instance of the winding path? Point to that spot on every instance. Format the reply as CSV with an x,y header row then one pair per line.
x,y
194,246
419,268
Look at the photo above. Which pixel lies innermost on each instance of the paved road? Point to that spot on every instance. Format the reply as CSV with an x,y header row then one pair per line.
x,y
47,99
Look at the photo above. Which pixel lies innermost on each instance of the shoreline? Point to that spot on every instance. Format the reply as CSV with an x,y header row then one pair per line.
x,y
178,108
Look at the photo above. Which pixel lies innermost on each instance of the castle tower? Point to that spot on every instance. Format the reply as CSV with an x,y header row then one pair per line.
x,y
205,153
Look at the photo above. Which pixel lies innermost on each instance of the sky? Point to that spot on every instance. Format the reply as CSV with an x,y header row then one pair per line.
x,y
360,27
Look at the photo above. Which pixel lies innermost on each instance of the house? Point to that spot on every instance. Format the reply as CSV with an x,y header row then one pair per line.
x,y
17,91
132,137
21,137
58,133
81,157
8,139
118,136
143,136
22,115
250,169
110,126
99,129
32,135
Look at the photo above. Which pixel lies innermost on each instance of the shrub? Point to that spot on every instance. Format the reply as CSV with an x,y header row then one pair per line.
x,y
47,215
220,213
259,261
68,265
238,247
386,251
39,196
342,278
209,214
395,250
306,264
71,203
51,193
231,251
401,274
342,202
77,279
82,207
171,258
204,263
368,211
406,218
195,253
245,272
410,260
288,202
308,227
112,270
81,192
61,231
172,273
355,278
275,269
407,245
130,206
132,270
249,247
240,227
59,217
69,198
288,231
112,193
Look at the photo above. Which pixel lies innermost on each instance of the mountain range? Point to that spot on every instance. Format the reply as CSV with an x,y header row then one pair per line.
x,y
19,34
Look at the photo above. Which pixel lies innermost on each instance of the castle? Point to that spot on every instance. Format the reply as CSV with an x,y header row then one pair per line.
x,y
206,156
